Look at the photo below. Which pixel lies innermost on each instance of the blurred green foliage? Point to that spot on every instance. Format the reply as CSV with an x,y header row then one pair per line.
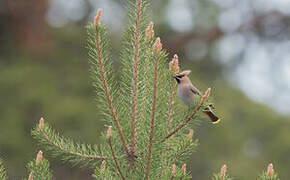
x,y
56,86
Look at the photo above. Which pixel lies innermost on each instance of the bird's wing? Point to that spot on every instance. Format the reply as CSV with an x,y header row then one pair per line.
x,y
194,90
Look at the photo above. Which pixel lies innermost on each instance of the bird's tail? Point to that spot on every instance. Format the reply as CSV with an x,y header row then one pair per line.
x,y
209,112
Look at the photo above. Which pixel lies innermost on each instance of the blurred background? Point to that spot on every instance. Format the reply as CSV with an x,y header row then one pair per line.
x,y
239,48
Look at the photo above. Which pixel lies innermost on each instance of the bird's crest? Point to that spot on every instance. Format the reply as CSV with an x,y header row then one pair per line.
x,y
184,73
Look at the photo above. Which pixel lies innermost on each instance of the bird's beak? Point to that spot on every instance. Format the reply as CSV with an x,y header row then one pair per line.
x,y
176,78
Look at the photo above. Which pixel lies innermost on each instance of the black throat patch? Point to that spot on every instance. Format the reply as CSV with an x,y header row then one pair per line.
x,y
177,79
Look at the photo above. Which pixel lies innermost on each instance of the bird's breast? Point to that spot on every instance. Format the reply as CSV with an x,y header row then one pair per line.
x,y
185,95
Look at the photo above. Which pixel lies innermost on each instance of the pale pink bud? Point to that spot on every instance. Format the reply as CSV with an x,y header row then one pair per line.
x,y
39,157
206,94
173,65
149,31
157,47
109,132
184,169
270,170
190,134
98,17
103,166
173,172
30,177
41,123
223,172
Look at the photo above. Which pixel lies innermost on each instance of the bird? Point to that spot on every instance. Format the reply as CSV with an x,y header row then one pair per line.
x,y
187,92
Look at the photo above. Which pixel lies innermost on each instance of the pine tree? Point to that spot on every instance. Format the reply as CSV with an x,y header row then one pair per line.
x,y
149,132
149,135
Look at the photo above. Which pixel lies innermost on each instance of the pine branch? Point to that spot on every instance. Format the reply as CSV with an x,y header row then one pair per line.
x,y
148,54
127,85
70,152
182,124
105,86
39,169
172,65
170,104
109,133
135,79
65,148
174,69
2,171
157,45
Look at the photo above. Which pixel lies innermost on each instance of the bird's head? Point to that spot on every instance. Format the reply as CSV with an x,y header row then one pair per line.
x,y
182,77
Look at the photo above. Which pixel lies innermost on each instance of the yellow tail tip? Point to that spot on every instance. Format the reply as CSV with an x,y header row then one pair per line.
x,y
215,122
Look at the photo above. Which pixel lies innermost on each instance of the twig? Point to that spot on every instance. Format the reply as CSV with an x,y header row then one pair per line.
x,y
106,89
170,104
135,81
149,35
152,122
69,152
115,160
109,133
170,110
182,124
